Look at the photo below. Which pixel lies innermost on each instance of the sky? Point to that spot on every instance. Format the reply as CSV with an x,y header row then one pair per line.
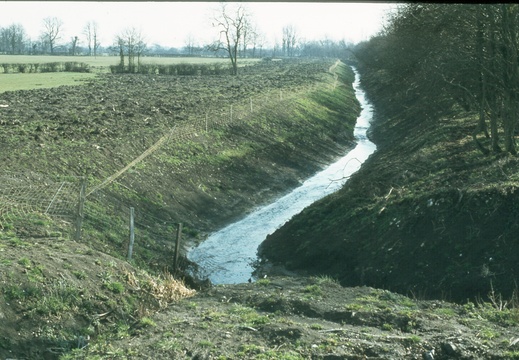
x,y
170,23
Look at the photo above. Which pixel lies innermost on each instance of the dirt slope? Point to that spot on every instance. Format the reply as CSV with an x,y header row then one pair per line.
x,y
313,318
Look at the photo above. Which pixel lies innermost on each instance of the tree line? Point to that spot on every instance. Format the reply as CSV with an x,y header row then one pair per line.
x,y
432,58
236,36
15,41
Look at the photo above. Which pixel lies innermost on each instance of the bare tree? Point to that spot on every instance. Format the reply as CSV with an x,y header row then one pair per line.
x,y
260,43
189,44
140,48
131,44
52,27
289,40
73,45
257,40
119,43
233,23
90,31
13,39
248,34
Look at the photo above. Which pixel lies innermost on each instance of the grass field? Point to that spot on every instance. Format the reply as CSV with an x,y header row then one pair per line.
x,y
100,61
12,82
100,64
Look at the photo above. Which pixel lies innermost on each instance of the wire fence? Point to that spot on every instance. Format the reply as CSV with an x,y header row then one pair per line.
x,y
32,196
70,205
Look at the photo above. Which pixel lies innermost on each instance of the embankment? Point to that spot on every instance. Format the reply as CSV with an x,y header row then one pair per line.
x,y
236,142
427,214
57,294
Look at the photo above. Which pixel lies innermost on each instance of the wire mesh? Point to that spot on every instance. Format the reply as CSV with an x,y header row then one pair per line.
x,y
31,197
27,199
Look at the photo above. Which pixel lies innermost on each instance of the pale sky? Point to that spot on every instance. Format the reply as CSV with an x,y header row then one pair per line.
x,y
170,23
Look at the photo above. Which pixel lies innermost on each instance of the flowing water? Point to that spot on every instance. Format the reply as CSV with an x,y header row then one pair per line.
x,y
226,257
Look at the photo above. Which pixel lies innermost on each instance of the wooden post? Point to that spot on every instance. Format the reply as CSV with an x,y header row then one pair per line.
x,y
231,113
250,104
177,246
80,209
132,233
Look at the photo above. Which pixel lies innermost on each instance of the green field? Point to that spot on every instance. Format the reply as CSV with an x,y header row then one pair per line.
x,y
12,82
100,64
100,61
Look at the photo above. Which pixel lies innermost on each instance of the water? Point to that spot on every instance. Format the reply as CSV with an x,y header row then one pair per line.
x,y
226,256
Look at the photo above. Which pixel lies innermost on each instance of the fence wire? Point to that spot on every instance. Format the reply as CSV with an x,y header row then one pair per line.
x,y
31,197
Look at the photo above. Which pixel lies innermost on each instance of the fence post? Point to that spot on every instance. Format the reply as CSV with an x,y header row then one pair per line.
x,y
177,247
231,113
251,104
80,209
132,233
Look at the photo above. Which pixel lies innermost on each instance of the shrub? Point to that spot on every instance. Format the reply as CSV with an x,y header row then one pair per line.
x,y
74,66
22,68
146,321
187,69
115,287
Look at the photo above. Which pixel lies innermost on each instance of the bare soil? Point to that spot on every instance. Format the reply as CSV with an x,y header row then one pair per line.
x,y
314,318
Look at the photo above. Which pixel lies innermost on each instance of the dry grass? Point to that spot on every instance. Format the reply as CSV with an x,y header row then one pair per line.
x,y
165,289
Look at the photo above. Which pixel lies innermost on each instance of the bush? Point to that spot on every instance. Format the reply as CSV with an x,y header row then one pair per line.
x,y
74,66
186,69
22,68
8,68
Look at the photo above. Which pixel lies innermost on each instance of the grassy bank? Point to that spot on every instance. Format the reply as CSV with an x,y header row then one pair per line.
x,y
58,293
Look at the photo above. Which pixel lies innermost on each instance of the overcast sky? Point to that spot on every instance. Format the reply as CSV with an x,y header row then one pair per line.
x,y
170,23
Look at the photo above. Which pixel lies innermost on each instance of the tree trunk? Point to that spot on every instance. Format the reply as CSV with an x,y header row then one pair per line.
x,y
234,59
492,96
121,57
510,77
494,131
508,124
482,126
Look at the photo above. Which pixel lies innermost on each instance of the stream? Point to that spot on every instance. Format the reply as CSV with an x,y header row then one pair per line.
x,y
227,256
